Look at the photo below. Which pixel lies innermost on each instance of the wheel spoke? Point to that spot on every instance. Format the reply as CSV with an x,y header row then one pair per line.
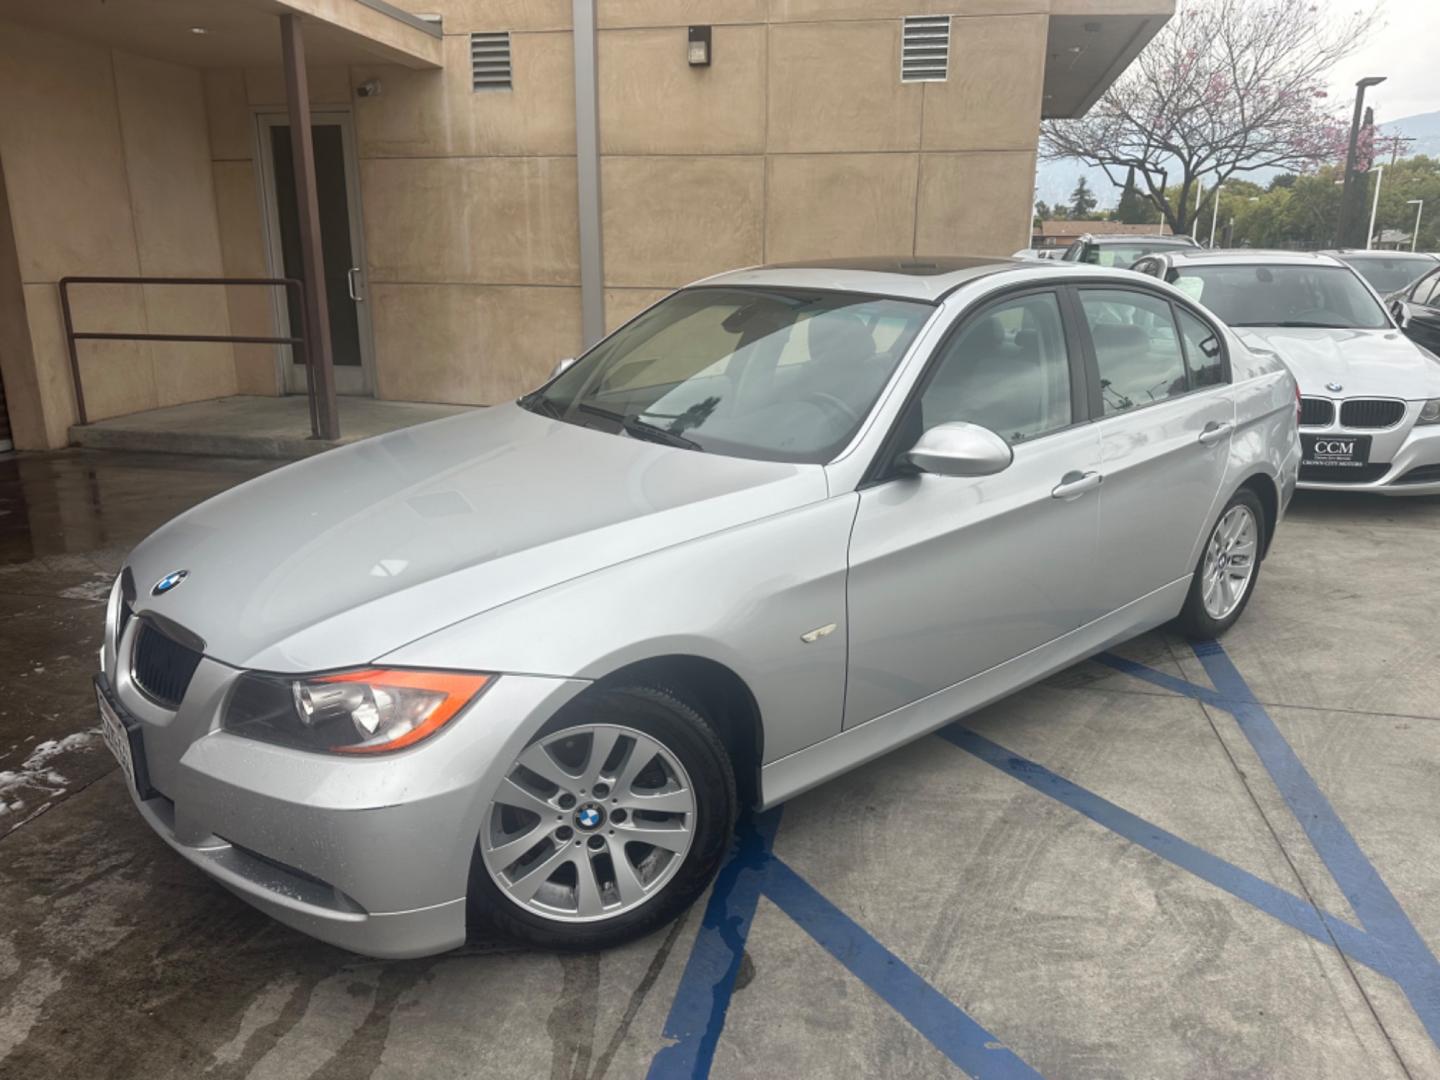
x,y
512,794
662,802
587,888
642,752
507,851
602,741
538,760
529,885
627,882
669,838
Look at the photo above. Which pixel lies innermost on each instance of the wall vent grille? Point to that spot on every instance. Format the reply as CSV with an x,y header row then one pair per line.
x,y
490,61
925,48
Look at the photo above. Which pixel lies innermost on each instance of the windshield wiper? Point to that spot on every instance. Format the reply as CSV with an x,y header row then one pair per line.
x,y
641,429
538,402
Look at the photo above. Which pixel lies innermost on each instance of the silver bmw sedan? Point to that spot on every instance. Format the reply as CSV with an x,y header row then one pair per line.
x,y
523,666
1370,409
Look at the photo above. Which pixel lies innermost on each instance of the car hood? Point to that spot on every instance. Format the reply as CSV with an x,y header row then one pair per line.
x,y
341,558
1365,363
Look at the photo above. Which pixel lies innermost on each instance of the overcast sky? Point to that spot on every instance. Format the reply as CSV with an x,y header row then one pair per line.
x,y
1406,48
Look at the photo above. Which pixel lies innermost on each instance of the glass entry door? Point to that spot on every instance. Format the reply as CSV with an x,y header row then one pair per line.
x,y
337,192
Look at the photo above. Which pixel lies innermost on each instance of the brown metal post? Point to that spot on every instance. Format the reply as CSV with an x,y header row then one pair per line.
x,y
312,258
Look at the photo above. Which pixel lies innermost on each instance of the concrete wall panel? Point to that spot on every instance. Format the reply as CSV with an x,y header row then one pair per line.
x,y
653,102
975,204
471,344
835,205
991,101
669,220
621,13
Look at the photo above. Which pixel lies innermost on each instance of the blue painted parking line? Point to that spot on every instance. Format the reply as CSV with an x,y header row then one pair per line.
x,y
1386,941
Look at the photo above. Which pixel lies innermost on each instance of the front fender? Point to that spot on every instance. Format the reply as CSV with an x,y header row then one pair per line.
x,y
743,598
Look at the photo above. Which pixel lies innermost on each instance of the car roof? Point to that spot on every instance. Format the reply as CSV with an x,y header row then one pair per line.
x,y
1373,253
1250,257
1130,238
906,277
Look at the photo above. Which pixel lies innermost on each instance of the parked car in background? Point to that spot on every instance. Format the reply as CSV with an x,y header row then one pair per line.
x,y
1388,271
1123,251
1417,310
521,666
1370,413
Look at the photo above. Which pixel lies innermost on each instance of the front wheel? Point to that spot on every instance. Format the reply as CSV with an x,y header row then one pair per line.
x,y
1228,569
608,824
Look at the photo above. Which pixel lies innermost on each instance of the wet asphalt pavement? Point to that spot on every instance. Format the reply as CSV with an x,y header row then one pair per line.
x,y
1088,950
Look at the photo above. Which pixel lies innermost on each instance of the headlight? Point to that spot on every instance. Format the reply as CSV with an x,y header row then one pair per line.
x,y
1430,412
352,712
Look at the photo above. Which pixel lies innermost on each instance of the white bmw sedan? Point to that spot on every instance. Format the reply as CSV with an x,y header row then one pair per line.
x,y
1370,408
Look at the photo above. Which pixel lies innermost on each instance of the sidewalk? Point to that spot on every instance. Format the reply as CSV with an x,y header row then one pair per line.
x,y
255,427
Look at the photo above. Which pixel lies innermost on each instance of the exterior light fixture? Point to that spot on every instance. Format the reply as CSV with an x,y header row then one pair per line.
x,y
198,30
698,49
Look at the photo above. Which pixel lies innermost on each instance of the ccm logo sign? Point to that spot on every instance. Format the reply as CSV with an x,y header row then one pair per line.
x,y
1338,447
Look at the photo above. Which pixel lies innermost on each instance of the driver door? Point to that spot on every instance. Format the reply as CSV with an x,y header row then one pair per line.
x,y
950,576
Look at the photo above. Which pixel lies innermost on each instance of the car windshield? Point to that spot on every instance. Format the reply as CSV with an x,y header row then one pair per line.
x,y
1259,295
775,374
1125,255
1391,273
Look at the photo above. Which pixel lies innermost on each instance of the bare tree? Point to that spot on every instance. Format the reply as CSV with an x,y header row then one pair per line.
x,y
1227,87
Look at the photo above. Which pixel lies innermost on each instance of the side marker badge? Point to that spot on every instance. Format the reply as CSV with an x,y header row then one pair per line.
x,y
816,634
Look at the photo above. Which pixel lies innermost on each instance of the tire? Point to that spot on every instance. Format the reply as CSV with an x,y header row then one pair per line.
x,y
1210,609
660,883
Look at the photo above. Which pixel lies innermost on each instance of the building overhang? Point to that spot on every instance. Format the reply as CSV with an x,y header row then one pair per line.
x,y
1091,43
239,33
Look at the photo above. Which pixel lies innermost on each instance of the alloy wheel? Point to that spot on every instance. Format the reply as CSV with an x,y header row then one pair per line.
x,y
589,823
1229,562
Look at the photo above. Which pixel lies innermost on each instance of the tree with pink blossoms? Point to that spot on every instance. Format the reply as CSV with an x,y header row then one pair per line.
x,y
1227,87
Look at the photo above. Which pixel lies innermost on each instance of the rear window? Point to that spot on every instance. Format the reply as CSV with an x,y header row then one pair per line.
x,y
1262,295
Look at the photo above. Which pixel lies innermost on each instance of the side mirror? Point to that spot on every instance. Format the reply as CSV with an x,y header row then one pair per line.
x,y
961,449
1397,309
561,366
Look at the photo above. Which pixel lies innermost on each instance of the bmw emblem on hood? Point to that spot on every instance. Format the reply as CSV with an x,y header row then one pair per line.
x,y
1334,387
169,581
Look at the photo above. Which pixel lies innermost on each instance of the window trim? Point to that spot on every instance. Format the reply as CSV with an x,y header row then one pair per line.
x,y
881,468
1097,404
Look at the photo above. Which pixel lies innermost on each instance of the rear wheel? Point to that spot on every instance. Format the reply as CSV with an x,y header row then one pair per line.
x,y
1228,569
608,824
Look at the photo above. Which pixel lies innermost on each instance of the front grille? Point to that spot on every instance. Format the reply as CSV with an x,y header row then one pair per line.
x,y
1371,413
162,667
1421,474
1343,474
1316,412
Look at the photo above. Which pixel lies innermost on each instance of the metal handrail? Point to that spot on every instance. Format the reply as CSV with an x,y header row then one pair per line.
x,y
72,335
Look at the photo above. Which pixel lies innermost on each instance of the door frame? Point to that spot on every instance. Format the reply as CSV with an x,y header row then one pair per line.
x,y
349,380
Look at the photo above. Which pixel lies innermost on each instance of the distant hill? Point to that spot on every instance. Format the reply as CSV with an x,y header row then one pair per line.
x,y
1055,180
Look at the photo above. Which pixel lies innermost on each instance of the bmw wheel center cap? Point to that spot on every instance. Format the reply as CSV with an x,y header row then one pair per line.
x,y
589,817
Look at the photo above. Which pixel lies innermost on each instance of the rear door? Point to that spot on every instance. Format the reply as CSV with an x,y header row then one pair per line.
x,y
1165,419
950,576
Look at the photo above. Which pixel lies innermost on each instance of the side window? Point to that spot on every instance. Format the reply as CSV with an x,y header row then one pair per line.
x,y
1136,348
1203,351
1007,370
1427,292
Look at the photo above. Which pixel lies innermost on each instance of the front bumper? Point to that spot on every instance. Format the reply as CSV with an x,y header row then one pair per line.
x,y
1405,447
372,855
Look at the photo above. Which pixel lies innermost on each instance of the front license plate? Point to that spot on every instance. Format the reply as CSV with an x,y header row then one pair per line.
x,y
116,737
1335,451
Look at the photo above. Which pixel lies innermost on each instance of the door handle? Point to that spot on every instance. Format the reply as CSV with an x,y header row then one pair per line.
x,y
1074,484
350,278
1214,432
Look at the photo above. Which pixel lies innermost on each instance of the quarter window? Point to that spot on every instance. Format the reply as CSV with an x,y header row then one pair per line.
x,y
1007,370
1136,348
1203,351
1427,293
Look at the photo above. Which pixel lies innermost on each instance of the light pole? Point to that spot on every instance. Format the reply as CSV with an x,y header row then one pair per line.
x,y
1215,217
1419,205
1360,88
1374,206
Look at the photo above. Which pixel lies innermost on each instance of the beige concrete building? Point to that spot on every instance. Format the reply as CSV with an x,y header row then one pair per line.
x,y
456,167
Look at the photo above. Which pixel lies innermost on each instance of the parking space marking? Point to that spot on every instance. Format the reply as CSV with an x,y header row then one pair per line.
x,y
1386,941
697,1015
